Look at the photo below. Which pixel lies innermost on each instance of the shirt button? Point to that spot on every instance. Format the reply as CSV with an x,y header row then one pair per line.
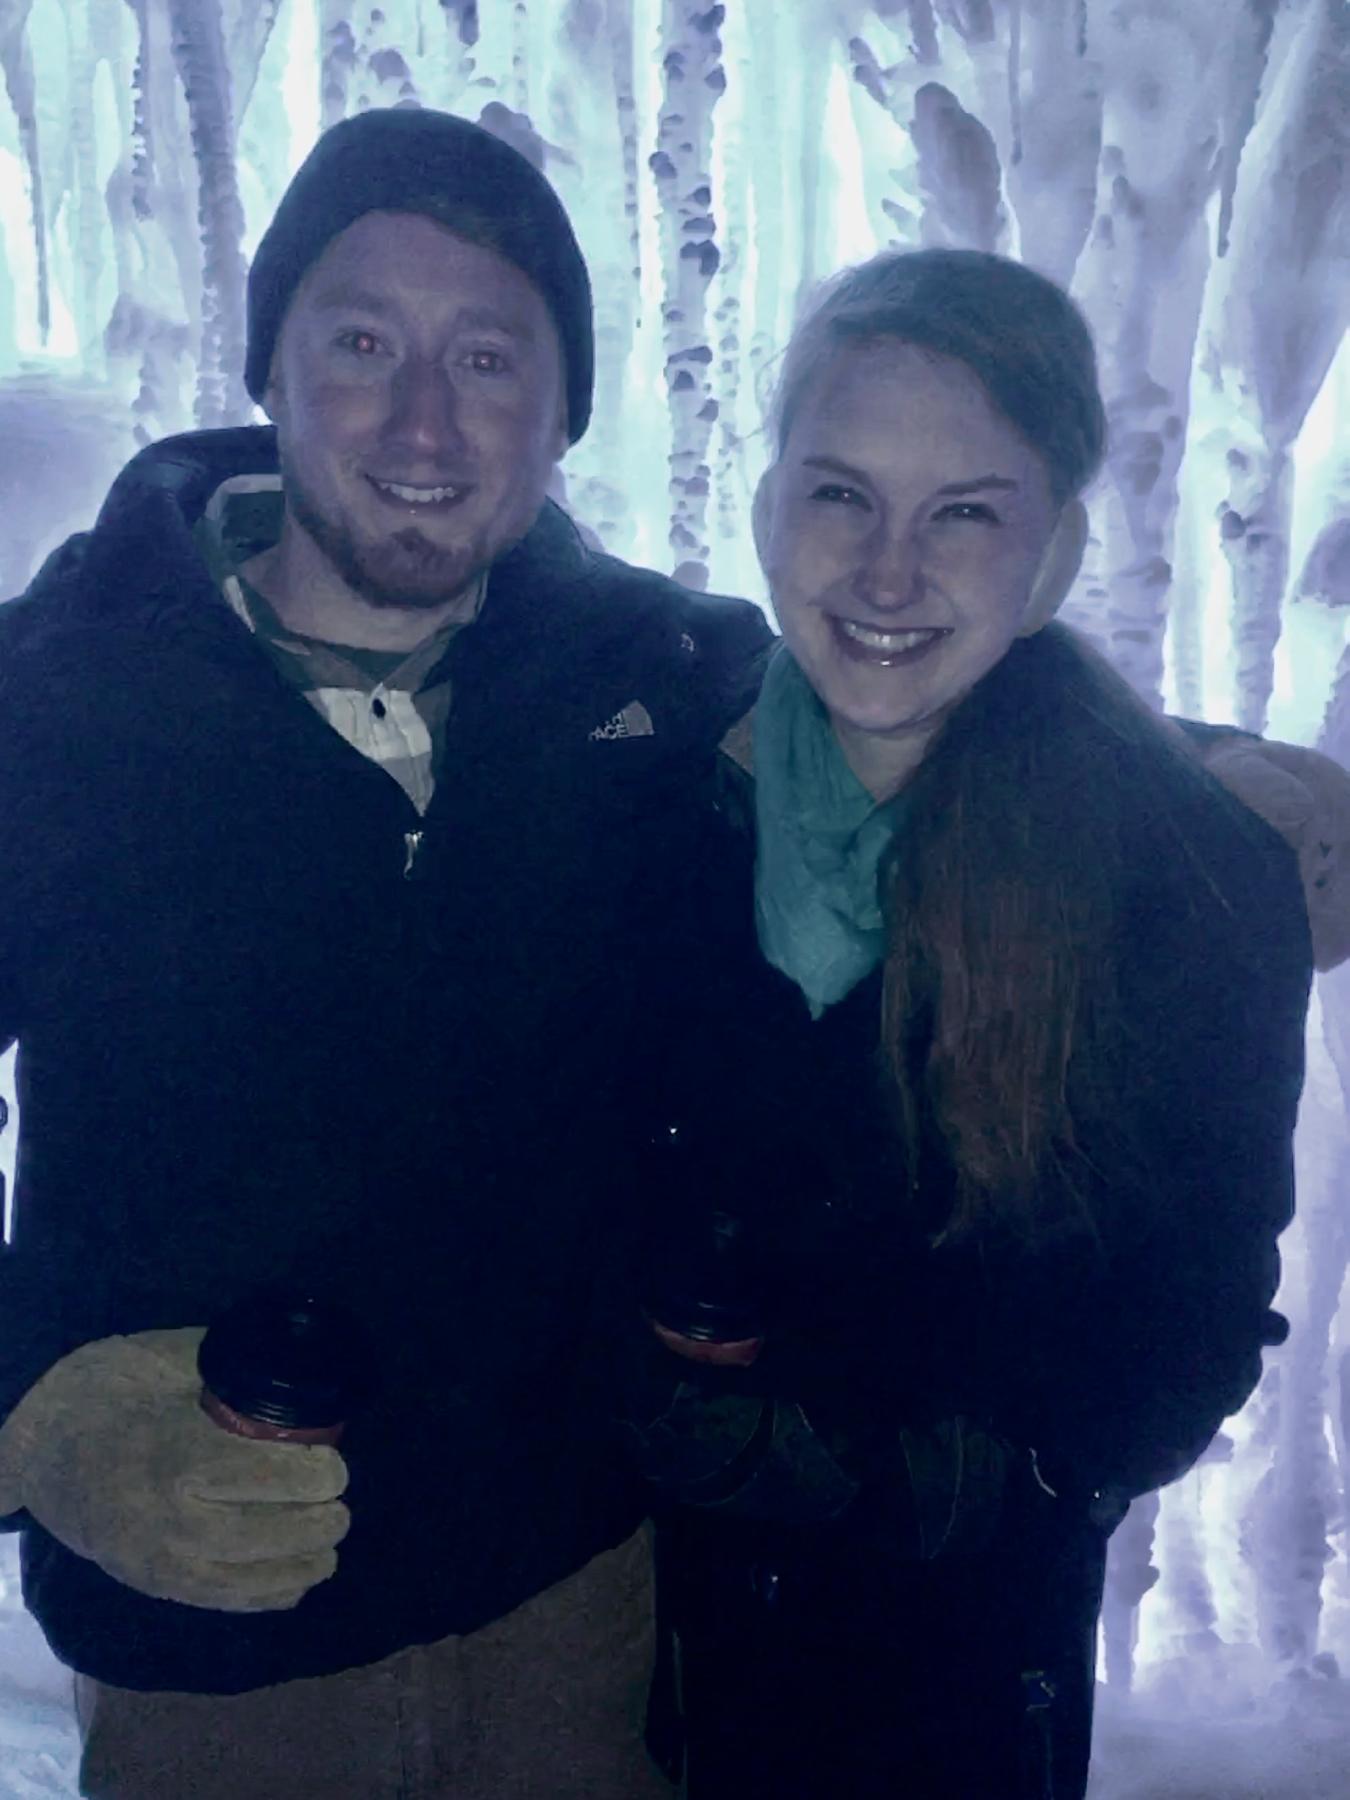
x,y
377,706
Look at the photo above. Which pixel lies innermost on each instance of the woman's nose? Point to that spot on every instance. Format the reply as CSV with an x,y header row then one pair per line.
x,y
889,577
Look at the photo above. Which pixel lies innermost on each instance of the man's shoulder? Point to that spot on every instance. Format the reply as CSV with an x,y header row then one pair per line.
x,y
187,468
705,652
705,628
693,660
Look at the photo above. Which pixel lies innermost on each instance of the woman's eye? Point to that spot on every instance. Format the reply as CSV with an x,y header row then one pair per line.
x,y
968,511
834,493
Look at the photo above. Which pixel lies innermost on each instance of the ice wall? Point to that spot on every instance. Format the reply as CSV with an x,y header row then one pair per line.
x,y
1183,166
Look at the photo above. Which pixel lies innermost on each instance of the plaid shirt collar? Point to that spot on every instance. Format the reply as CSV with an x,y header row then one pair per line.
x,y
391,707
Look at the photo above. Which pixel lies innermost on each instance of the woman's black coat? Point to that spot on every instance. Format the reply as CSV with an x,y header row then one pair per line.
x,y
830,1642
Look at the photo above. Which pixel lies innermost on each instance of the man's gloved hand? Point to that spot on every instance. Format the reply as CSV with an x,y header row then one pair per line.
x,y
111,1453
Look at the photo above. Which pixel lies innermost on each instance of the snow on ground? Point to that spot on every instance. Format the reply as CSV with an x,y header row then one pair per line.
x,y
38,1748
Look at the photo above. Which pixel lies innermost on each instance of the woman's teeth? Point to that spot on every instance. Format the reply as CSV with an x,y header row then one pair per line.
x,y
893,641
418,495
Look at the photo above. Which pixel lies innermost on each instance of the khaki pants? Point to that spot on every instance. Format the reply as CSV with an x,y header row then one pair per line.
x,y
545,1704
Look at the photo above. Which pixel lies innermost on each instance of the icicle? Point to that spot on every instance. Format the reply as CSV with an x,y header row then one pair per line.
x,y
924,27
1130,1574
17,63
338,56
1185,1588
1053,183
515,129
87,200
774,195
1325,580
142,141
620,33
199,54
867,71
959,173
1287,309
1015,78
1142,280
1249,71
1287,1530
463,14
253,27
815,83
728,328
694,80
972,19
520,61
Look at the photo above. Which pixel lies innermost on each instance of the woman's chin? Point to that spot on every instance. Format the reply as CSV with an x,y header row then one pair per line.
x,y
872,714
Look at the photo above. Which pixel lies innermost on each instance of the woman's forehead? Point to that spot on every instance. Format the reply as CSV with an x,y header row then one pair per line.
x,y
888,390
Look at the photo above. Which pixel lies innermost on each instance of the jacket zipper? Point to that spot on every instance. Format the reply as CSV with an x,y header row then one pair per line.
x,y
1038,1768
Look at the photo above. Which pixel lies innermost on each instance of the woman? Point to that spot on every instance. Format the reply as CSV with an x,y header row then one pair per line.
x,y
979,1133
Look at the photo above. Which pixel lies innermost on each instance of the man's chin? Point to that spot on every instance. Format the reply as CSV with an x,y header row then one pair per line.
x,y
407,599
434,583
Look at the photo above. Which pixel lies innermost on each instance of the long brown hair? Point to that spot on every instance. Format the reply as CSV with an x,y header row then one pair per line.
x,y
1006,892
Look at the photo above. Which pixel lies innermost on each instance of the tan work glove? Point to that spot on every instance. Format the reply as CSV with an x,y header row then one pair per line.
x,y
111,1453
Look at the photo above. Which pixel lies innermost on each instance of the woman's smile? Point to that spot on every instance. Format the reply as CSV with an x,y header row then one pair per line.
x,y
885,649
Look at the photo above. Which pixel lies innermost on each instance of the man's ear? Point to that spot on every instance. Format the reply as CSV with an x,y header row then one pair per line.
x,y
1059,568
272,400
562,436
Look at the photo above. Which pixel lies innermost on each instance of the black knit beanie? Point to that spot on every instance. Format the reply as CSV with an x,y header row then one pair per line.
x,y
410,159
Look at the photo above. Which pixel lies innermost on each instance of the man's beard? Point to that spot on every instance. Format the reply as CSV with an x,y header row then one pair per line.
x,y
423,576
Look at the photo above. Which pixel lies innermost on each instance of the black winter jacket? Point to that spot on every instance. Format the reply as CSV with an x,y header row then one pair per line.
x,y
821,1651
252,1047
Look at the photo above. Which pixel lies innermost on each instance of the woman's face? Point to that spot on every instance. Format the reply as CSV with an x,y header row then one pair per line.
x,y
901,531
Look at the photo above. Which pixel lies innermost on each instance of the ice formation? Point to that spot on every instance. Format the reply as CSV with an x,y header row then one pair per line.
x,y
1185,167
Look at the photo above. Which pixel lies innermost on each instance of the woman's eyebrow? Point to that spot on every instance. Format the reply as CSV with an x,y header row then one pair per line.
x,y
973,487
834,466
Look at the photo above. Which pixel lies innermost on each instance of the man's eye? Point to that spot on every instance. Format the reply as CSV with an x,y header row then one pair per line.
x,y
968,511
486,362
360,343
833,492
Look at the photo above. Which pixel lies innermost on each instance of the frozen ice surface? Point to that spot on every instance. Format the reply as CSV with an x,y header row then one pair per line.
x,y
39,1751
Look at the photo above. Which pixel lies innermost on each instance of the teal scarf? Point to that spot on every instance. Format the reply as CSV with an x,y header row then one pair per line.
x,y
820,839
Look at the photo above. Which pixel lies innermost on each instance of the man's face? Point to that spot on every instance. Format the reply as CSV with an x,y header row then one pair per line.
x,y
417,390
901,530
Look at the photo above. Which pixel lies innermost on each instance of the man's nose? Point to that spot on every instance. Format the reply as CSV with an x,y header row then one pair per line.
x,y
424,411
889,576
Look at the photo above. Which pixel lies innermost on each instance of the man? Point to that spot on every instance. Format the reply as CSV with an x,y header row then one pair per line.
x,y
338,791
